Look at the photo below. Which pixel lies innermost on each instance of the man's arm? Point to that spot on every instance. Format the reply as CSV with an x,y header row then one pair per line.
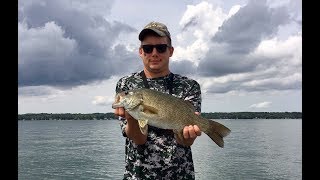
x,y
132,129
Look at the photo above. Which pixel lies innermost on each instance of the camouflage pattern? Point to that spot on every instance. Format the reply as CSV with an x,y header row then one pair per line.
x,y
161,157
157,27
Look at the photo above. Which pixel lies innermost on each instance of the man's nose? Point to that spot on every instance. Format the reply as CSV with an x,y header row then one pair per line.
x,y
154,51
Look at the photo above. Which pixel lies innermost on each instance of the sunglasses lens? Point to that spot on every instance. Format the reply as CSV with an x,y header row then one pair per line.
x,y
147,48
161,48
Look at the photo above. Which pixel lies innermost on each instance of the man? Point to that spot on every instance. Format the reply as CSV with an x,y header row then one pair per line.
x,y
160,154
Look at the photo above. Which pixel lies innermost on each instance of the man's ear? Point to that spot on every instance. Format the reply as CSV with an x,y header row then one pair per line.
x,y
171,49
141,53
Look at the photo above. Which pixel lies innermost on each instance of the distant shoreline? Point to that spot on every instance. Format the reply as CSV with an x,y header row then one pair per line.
x,y
211,115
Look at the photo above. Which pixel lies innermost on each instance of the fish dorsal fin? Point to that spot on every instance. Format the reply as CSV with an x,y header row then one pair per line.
x,y
143,125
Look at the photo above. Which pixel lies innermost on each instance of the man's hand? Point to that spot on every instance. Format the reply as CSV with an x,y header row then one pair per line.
x,y
119,112
190,133
122,113
132,128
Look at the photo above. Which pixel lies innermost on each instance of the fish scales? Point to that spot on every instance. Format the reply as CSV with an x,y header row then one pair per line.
x,y
167,112
171,110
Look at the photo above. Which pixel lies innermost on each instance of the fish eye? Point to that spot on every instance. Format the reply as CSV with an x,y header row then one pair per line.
x,y
126,92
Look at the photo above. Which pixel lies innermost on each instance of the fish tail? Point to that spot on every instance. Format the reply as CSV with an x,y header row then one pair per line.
x,y
216,132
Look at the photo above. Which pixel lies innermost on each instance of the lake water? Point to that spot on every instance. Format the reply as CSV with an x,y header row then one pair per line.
x,y
84,149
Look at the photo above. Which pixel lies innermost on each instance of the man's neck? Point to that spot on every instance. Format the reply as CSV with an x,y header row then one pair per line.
x,y
156,74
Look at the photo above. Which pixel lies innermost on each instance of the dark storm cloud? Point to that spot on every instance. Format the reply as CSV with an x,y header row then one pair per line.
x,y
63,45
224,64
238,36
124,61
244,30
275,85
184,67
223,88
34,91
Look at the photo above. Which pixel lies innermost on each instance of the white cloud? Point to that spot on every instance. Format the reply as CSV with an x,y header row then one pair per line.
x,y
233,10
57,37
265,104
199,23
289,49
102,100
43,42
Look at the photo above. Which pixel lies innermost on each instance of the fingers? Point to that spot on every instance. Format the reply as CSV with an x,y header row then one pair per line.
x,y
119,112
122,113
197,130
191,132
186,132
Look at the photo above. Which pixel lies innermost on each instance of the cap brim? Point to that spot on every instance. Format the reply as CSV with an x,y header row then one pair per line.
x,y
145,31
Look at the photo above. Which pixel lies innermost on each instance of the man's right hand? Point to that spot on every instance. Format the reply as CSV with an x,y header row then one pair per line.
x,y
132,128
119,112
122,113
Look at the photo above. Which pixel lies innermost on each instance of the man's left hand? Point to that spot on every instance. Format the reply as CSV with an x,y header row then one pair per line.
x,y
190,133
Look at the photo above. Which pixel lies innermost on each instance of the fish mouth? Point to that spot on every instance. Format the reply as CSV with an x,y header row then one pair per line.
x,y
116,103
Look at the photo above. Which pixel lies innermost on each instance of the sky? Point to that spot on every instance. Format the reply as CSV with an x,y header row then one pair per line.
x,y
245,54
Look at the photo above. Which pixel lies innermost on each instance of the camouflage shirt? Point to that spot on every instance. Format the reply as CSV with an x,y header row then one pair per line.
x,y
161,157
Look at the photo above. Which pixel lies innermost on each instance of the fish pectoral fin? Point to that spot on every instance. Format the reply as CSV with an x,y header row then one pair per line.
x,y
142,122
148,109
143,125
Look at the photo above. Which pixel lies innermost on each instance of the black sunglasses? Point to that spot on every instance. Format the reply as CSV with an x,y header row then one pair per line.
x,y
161,48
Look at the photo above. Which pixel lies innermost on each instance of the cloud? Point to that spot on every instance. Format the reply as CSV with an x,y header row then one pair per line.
x,y
221,44
242,55
198,24
67,49
268,68
34,91
183,67
63,44
243,31
265,104
102,100
202,19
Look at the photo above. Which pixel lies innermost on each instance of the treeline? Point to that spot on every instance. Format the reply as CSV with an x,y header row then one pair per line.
x,y
111,116
253,115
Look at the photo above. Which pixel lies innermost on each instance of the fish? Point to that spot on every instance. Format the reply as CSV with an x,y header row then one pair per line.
x,y
165,111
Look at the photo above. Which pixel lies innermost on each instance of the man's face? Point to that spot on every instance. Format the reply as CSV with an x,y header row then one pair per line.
x,y
155,61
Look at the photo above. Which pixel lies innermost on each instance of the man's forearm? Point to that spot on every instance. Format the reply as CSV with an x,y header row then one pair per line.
x,y
133,132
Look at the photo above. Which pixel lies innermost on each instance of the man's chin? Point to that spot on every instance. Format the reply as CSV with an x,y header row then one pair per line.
x,y
155,64
155,67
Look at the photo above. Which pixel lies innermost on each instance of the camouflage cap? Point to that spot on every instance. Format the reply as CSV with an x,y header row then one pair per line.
x,y
157,27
